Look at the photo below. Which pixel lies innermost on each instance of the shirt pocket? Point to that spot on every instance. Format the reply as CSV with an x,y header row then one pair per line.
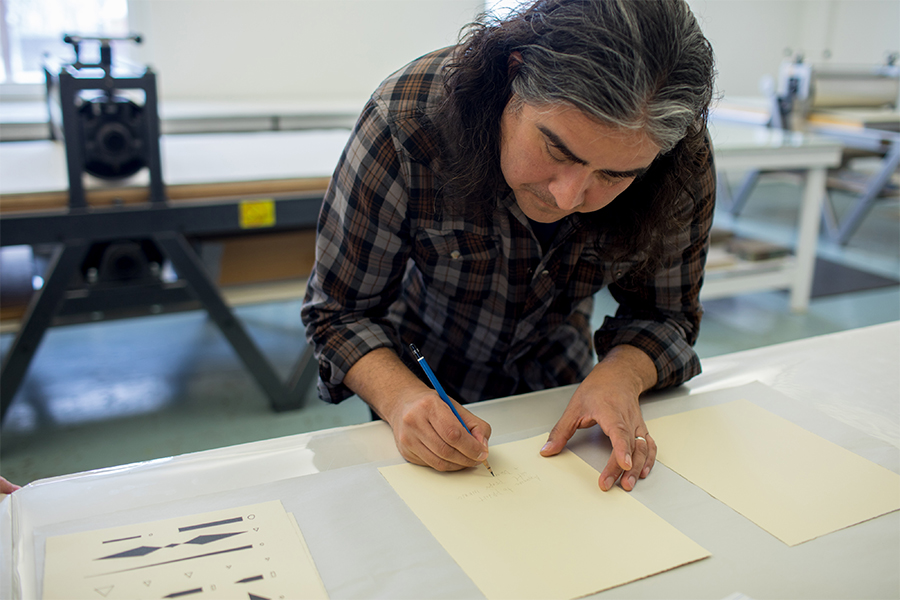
x,y
593,272
461,265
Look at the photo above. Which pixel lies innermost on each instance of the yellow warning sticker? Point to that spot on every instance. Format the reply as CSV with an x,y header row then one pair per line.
x,y
257,213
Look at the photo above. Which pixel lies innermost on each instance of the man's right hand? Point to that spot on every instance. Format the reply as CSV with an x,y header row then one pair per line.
x,y
428,433
425,429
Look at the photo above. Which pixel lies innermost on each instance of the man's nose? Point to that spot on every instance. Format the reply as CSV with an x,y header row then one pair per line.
x,y
569,187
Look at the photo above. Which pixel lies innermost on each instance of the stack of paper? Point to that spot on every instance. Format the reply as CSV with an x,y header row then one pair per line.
x,y
792,483
251,552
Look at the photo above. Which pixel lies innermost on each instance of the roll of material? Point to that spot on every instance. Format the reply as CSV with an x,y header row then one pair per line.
x,y
832,90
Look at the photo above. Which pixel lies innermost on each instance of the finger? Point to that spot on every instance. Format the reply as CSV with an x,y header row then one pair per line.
x,y
455,435
622,442
446,445
480,429
7,487
651,457
610,474
562,432
641,453
425,457
620,460
429,449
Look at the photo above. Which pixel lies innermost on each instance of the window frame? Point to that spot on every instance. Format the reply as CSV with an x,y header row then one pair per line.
x,y
16,91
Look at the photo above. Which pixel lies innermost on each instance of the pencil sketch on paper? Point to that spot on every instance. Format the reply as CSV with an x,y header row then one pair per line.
x,y
507,480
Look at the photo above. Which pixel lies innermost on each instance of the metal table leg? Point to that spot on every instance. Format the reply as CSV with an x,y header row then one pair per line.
x,y
41,310
187,264
841,232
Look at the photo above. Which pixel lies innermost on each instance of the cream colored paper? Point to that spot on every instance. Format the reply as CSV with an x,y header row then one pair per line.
x,y
792,483
251,551
541,528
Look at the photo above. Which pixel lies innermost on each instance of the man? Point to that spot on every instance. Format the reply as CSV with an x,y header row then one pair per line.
x,y
488,191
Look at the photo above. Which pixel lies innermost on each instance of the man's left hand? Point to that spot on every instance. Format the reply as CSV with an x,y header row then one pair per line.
x,y
609,397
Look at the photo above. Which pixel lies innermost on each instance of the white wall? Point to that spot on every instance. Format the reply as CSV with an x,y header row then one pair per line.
x,y
752,37
289,50
339,50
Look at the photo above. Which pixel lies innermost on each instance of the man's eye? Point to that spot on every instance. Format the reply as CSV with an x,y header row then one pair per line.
x,y
610,179
556,154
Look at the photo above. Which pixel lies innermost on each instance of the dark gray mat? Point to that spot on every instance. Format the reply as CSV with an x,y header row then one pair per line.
x,y
831,278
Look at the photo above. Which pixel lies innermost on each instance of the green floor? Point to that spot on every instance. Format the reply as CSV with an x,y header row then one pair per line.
x,y
116,392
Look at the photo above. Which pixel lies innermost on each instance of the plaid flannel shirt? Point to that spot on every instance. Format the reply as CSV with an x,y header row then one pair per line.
x,y
491,312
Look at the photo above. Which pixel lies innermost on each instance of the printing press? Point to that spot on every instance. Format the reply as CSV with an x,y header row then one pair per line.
x,y
120,247
855,104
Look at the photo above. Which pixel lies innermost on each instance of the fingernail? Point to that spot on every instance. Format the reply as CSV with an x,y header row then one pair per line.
x,y
645,472
627,462
631,482
546,447
610,481
482,456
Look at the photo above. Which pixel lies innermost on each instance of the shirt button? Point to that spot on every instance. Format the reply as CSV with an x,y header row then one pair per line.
x,y
545,273
455,255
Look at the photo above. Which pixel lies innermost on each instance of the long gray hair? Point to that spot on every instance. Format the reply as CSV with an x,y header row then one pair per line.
x,y
633,64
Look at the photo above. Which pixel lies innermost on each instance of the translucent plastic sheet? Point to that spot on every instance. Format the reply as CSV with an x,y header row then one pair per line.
x,y
367,543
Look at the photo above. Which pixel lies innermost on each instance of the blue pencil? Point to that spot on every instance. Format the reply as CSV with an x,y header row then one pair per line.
x,y
440,390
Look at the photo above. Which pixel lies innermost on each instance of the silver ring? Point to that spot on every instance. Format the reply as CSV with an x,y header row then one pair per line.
x,y
640,437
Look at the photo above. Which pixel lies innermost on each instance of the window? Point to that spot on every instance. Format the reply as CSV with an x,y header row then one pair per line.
x,y
500,8
31,28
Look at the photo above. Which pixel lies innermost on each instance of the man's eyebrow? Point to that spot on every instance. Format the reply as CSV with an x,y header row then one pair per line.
x,y
561,146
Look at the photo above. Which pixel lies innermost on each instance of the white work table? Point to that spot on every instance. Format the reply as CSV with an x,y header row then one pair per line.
x,y
366,543
741,147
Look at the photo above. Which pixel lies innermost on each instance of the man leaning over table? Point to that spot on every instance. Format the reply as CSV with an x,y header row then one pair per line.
x,y
487,192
